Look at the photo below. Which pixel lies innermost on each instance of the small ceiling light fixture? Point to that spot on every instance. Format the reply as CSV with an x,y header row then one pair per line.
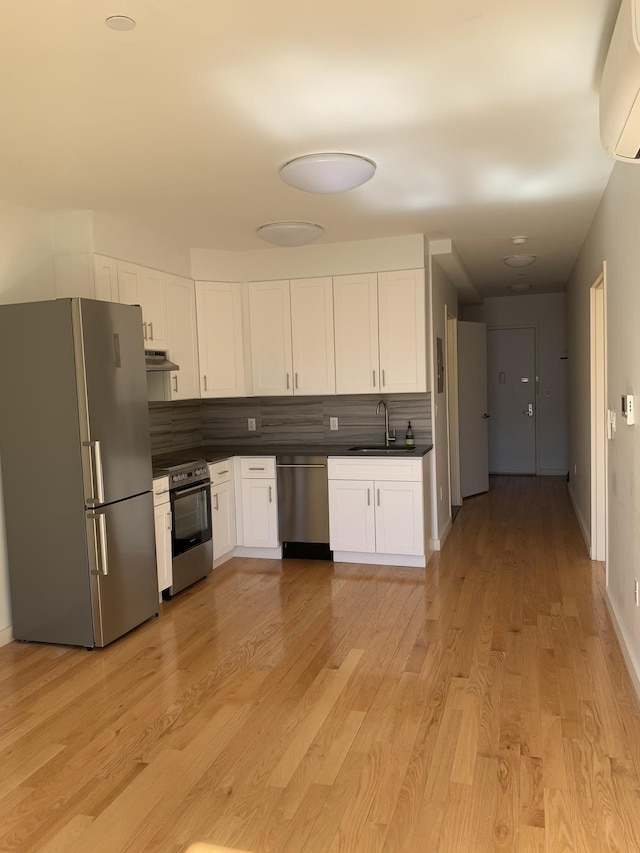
x,y
520,286
290,233
518,241
327,173
520,260
121,23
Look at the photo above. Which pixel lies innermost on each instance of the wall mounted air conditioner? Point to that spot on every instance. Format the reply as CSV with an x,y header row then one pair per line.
x,y
620,88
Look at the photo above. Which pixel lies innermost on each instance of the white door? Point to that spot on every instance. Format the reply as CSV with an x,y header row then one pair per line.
x,y
355,305
180,312
220,339
223,519
399,518
314,370
401,320
472,408
511,371
352,516
259,514
270,324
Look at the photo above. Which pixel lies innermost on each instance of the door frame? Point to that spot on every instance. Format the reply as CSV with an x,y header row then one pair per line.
x,y
536,393
599,539
451,392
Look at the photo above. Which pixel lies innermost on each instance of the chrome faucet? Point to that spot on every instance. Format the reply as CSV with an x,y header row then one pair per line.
x,y
389,434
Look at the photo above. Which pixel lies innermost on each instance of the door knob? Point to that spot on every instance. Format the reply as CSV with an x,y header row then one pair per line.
x,y
528,411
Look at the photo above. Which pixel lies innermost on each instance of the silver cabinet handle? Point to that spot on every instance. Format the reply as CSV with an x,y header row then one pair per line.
x,y
144,331
216,507
175,384
374,379
295,375
102,558
225,471
258,469
270,495
384,381
368,497
287,381
205,381
151,331
161,491
169,522
378,496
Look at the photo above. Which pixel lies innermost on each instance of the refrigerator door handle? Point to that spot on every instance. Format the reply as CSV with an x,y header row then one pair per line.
x,y
97,475
100,532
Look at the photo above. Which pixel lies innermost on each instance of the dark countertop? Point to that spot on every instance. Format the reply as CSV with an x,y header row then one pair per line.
x,y
214,453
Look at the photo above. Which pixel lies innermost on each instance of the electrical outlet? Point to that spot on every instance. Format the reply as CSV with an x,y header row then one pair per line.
x,y
333,423
636,592
251,424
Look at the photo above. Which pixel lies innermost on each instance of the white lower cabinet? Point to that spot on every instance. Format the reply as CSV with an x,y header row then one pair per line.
x,y
378,507
223,512
257,505
162,518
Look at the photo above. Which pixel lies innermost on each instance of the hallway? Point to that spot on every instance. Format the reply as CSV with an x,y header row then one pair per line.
x,y
479,705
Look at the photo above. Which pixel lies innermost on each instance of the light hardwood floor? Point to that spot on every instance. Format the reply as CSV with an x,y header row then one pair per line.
x,y
481,704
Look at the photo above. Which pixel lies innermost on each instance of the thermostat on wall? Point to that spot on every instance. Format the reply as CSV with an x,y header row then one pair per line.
x,y
628,409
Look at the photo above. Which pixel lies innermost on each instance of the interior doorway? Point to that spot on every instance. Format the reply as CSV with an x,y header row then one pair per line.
x,y
512,396
598,359
472,404
451,382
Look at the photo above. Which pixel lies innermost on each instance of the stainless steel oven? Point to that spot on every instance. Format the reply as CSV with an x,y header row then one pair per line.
x,y
191,536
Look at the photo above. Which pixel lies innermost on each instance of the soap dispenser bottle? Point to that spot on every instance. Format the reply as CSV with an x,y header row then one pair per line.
x,y
408,439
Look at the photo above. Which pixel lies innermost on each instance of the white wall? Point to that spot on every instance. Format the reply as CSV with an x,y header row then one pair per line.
x,y
387,253
613,238
444,298
547,312
26,274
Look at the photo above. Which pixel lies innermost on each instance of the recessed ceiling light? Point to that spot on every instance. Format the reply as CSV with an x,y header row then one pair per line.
x,y
290,233
327,173
121,23
520,260
520,285
518,241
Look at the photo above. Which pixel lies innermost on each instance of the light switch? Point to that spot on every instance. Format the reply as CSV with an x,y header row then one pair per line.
x,y
333,423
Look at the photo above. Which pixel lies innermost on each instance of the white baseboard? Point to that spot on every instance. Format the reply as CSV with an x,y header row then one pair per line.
x,y
633,665
6,635
379,559
264,553
552,472
436,544
586,534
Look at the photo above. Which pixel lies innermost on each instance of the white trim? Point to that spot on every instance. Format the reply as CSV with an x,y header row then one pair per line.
x,y
436,544
223,558
265,553
379,559
6,635
633,665
584,527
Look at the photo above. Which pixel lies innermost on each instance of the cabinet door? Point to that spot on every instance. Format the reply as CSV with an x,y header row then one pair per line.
x,y
162,518
180,312
351,516
105,278
355,300
259,514
312,337
141,286
223,519
401,320
270,332
220,340
399,521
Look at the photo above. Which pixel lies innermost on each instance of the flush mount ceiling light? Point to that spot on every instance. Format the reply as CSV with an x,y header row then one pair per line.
x,y
327,173
290,233
520,260
121,23
520,285
518,241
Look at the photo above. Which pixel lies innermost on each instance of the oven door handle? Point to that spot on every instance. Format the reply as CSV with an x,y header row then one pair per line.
x,y
178,493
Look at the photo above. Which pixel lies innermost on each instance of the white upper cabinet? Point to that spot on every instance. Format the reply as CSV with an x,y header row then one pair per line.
x,y
105,278
220,339
401,322
312,336
356,333
141,286
86,275
380,332
179,307
270,335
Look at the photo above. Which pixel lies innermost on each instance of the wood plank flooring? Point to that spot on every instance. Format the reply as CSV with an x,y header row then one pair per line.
x,y
480,705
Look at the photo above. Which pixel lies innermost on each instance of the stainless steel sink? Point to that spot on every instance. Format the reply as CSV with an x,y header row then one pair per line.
x,y
372,448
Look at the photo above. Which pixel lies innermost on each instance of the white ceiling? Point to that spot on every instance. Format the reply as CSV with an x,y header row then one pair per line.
x,y
482,116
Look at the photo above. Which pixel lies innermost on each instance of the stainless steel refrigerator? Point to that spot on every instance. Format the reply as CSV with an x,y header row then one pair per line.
x,y
76,470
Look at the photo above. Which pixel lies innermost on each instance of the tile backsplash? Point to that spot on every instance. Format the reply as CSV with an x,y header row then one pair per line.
x,y
286,420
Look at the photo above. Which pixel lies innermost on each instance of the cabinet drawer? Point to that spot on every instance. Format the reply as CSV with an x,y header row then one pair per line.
x,y
399,470
256,467
220,472
160,490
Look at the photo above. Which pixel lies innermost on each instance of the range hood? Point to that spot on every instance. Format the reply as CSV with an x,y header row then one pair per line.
x,y
157,361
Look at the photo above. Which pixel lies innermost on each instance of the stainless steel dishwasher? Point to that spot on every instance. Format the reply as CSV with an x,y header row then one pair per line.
x,y
303,506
